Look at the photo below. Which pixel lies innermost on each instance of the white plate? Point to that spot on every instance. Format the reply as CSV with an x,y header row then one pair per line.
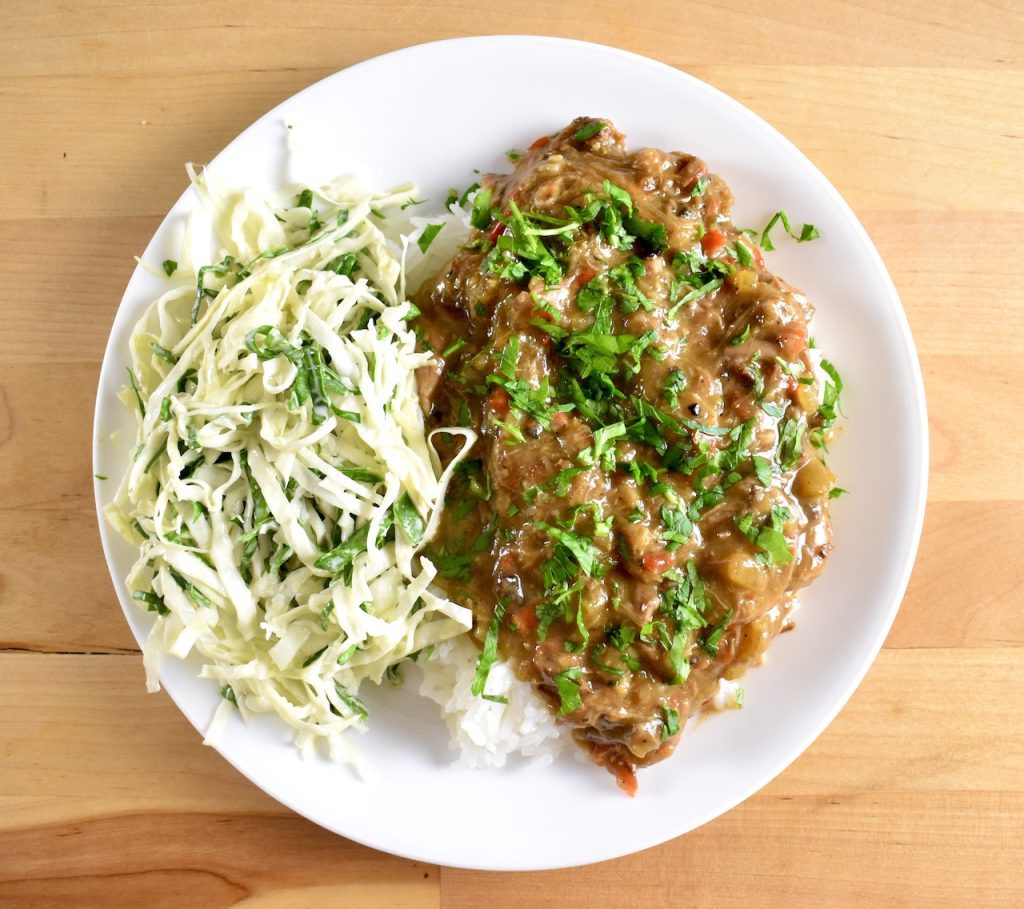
x,y
433,113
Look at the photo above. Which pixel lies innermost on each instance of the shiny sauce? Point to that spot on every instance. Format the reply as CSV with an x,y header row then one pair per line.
x,y
649,488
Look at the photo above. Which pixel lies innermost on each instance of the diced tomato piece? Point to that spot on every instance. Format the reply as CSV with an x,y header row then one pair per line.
x,y
583,276
540,143
657,562
496,231
793,340
498,402
758,257
712,242
525,619
624,775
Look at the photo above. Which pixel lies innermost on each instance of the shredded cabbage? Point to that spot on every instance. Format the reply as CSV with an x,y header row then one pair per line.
x,y
282,487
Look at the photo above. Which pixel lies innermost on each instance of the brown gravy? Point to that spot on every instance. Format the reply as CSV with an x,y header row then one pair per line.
x,y
649,488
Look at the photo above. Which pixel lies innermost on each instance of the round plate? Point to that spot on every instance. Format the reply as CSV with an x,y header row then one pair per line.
x,y
433,114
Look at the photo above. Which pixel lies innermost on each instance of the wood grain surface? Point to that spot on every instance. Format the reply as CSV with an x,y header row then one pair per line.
x,y
913,797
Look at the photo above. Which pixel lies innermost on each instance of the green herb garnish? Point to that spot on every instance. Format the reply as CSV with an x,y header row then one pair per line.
x,y
807,232
568,685
427,237
670,724
409,519
588,130
489,653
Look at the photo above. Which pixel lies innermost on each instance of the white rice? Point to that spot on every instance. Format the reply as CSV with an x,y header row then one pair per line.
x,y
486,733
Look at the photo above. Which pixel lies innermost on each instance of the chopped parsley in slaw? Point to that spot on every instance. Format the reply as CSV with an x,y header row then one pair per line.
x,y
282,486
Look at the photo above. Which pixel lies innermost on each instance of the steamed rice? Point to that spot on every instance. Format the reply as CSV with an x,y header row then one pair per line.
x,y
486,733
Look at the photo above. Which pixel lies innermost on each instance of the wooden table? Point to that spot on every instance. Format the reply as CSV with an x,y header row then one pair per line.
x,y
914,795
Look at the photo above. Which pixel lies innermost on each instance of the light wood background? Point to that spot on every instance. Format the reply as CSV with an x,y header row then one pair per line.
x,y
915,794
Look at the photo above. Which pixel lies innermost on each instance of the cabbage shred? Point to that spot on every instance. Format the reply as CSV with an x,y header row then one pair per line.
x,y
282,486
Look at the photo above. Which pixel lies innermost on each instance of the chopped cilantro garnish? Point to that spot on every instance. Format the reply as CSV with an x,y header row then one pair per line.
x,y
557,604
714,637
790,438
793,370
312,658
489,653
589,130
604,667
325,615
678,528
625,275
194,593
347,654
696,294
670,724
763,470
342,556
743,336
427,237
829,409
455,565
675,382
153,602
352,703
170,267
163,353
684,598
618,195
769,538
343,265
480,216
521,252
523,397
562,480
568,685
135,388
602,452
361,474
756,376
454,347
807,232
582,551
409,519
677,657
773,543
468,191
653,233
